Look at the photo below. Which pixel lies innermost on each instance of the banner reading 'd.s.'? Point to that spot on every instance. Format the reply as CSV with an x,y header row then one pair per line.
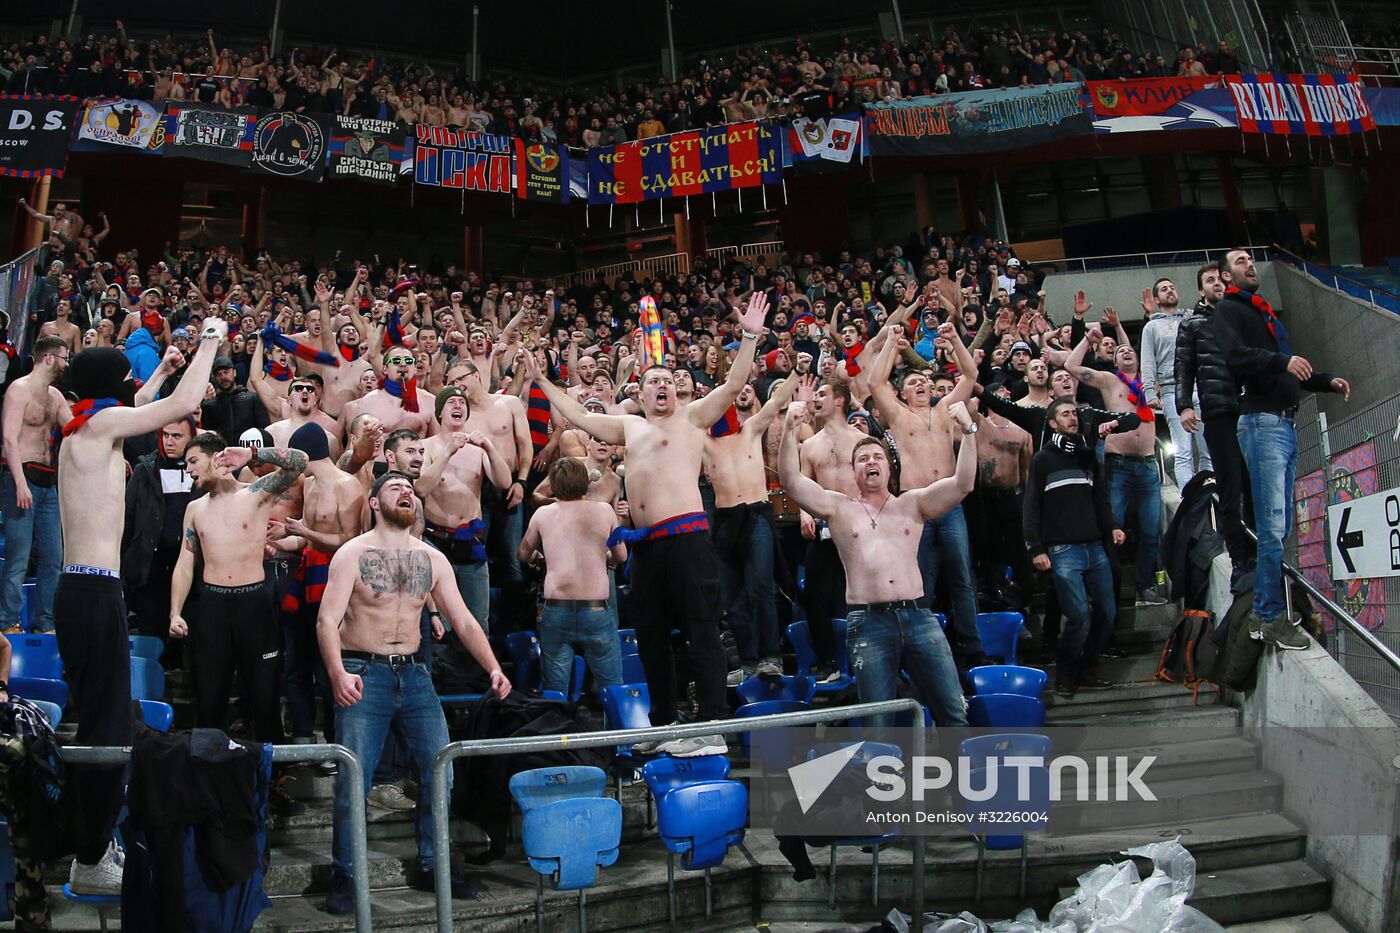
x,y
34,134
977,121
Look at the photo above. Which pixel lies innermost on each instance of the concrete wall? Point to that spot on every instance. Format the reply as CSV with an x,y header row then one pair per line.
x,y
1122,288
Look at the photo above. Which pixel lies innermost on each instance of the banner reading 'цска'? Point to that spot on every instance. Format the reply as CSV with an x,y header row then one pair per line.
x,y
977,121
1300,105
718,158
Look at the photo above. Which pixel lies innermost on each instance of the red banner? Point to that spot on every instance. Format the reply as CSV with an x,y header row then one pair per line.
x,y
1300,105
1143,97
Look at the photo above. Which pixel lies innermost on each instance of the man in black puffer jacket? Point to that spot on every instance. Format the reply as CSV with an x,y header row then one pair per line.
x,y
1204,377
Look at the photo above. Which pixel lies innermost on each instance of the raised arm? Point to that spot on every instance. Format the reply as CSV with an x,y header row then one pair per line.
x,y
150,389
609,428
290,464
938,497
706,411
880,386
806,492
129,422
778,398
1076,367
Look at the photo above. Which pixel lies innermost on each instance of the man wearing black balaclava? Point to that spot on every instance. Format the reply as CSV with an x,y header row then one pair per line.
x,y
89,608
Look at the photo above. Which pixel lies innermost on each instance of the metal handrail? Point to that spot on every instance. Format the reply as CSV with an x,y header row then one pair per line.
x,y
281,754
1361,631
1303,265
1174,257
553,743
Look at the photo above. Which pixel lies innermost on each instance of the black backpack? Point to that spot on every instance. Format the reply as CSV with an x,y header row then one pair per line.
x,y
37,780
1190,652
1237,657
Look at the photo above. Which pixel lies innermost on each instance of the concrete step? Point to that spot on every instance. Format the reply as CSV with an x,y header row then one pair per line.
x,y
1298,923
1196,798
1124,698
1258,892
1215,715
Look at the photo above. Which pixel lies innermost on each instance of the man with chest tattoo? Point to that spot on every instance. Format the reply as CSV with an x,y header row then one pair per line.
x,y
1003,462
371,643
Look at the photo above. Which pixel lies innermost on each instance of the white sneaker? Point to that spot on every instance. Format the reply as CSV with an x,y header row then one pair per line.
x,y
103,878
389,797
737,676
649,747
694,747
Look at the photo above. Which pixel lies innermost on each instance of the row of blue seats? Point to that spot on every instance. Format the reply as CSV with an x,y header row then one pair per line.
x,y
36,669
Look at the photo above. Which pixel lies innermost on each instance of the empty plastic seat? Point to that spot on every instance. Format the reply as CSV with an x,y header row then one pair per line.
x,y
1005,710
628,706
159,716
985,824
855,768
539,786
664,775
36,670
569,840
1008,678
800,638
699,822
146,646
788,687
775,746
147,680
999,632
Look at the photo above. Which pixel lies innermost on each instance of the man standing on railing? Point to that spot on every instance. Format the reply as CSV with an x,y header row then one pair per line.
x,y
1159,376
1204,380
1271,378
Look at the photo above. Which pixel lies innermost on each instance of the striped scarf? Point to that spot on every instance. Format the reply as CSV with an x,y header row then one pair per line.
x,y
406,392
537,414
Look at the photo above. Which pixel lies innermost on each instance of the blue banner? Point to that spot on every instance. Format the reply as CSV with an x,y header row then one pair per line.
x,y
977,121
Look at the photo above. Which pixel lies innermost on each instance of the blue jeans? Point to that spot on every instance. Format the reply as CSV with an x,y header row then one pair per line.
x,y
1136,483
405,697
880,644
751,595
589,632
1270,448
474,583
37,528
1185,442
945,545
1082,577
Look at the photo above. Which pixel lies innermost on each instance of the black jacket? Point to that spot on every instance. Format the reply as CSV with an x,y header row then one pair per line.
x,y
1066,499
1259,368
1201,367
145,520
231,413
1033,419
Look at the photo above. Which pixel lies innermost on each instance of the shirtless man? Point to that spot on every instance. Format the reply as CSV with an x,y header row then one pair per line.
x,y
1003,463
301,400
745,539
1130,458
63,327
572,534
400,403
604,485
888,630
371,643
343,343
33,409
675,573
456,466
269,373
332,509
1037,383
919,425
237,624
62,223
363,442
89,609
825,458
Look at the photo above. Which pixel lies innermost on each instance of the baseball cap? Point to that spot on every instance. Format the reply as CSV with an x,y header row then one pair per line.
x,y
181,332
220,362
1022,345
593,403
1013,261
255,438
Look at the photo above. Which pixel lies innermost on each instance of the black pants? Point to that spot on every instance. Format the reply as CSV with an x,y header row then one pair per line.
x,y
90,620
150,604
1002,540
675,584
1232,485
824,597
237,631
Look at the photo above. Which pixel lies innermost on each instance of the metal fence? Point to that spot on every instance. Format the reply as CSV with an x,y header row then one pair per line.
x,y
287,754
1144,260
514,746
1348,285
1341,459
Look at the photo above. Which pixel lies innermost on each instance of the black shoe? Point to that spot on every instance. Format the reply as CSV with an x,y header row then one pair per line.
x,y
1113,651
1064,690
462,889
341,899
1090,680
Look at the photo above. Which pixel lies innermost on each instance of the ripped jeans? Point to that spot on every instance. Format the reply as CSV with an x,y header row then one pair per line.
x,y
881,644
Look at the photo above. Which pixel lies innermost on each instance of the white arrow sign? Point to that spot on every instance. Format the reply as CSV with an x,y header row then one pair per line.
x,y
1364,537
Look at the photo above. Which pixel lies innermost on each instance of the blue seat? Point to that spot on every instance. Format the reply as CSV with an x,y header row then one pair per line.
x,y
459,699
1006,799
628,706
36,670
40,688
524,651
855,769
1005,710
632,670
539,786
147,680
569,840
699,822
52,712
147,646
627,641
159,716
776,750
788,687
800,637
102,903
981,749
1008,678
999,632
664,775
27,593
942,622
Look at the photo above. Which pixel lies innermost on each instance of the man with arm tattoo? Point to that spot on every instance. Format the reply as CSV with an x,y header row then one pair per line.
x,y
237,627
371,642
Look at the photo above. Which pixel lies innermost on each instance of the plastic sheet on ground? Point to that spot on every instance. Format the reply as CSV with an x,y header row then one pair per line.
x,y
1111,898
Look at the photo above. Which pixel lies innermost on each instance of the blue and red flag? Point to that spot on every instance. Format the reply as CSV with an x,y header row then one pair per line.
x,y
652,348
718,158
1300,105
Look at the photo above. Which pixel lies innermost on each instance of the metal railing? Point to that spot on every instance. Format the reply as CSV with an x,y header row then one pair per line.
x,y
1341,459
1340,281
511,746
286,754
1146,260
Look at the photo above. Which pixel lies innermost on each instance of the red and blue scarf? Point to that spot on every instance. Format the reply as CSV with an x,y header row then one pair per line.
x,y
272,336
349,354
1271,320
727,424
1137,396
406,392
82,411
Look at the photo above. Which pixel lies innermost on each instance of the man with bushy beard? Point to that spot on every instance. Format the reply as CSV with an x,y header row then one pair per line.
x,y
371,641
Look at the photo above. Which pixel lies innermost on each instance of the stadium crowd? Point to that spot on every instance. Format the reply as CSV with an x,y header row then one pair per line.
x,y
323,472
750,84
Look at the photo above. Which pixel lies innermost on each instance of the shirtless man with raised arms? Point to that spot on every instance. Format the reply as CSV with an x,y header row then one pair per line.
x,y
675,572
89,608
877,533
400,404
370,632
